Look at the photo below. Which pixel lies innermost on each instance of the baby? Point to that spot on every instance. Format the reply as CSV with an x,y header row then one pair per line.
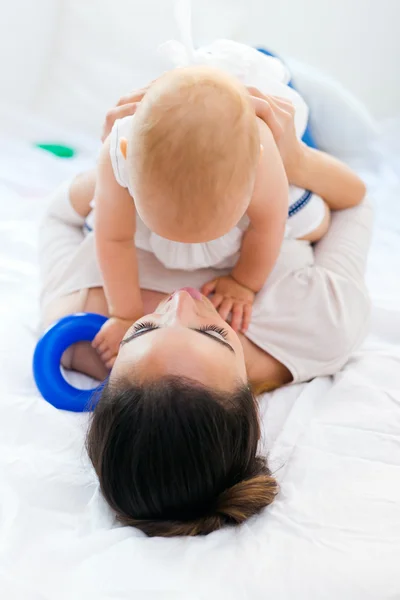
x,y
197,179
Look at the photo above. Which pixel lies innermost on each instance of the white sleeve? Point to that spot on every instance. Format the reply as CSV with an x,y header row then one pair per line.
x,y
311,317
120,130
344,248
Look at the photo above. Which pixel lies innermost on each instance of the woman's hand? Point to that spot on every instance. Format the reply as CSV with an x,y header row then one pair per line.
x,y
278,115
126,107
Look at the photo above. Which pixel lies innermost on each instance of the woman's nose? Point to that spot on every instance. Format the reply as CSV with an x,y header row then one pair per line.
x,y
179,309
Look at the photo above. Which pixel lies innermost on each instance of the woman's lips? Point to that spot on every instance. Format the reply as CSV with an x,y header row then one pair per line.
x,y
192,292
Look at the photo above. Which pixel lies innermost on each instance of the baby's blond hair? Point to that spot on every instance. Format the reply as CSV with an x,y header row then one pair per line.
x,y
193,154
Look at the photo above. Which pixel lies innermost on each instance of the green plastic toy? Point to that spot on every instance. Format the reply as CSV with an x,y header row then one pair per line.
x,y
58,150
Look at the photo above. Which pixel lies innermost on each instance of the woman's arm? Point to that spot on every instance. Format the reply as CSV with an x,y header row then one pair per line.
x,y
310,169
344,249
329,178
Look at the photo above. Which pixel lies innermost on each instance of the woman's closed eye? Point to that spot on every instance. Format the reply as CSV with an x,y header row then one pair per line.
x,y
218,330
218,333
138,330
144,326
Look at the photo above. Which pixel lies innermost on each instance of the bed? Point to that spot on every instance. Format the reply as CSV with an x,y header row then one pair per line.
x,y
334,443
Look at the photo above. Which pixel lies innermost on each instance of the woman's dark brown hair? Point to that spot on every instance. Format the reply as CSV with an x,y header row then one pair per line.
x,y
176,458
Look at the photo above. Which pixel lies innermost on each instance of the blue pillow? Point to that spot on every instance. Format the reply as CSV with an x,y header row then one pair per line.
x,y
307,136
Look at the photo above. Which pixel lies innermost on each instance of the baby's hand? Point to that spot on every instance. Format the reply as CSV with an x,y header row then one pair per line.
x,y
229,296
109,338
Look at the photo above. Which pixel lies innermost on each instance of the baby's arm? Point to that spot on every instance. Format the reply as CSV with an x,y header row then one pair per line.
x,y
267,212
115,230
261,242
115,226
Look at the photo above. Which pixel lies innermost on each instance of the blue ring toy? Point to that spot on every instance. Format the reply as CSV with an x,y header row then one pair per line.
x,y
47,357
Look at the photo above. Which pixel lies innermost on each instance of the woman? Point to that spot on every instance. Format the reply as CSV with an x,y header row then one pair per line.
x,y
174,435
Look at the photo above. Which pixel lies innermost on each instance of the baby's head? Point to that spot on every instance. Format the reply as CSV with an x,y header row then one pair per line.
x,y
193,154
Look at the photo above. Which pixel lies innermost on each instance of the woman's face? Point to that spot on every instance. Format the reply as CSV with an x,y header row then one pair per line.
x,y
184,336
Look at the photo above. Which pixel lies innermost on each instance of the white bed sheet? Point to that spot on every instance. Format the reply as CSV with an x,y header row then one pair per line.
x,y
334,530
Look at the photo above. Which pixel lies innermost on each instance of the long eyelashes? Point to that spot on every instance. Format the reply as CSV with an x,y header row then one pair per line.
x,y
144,325
204,328
215,328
